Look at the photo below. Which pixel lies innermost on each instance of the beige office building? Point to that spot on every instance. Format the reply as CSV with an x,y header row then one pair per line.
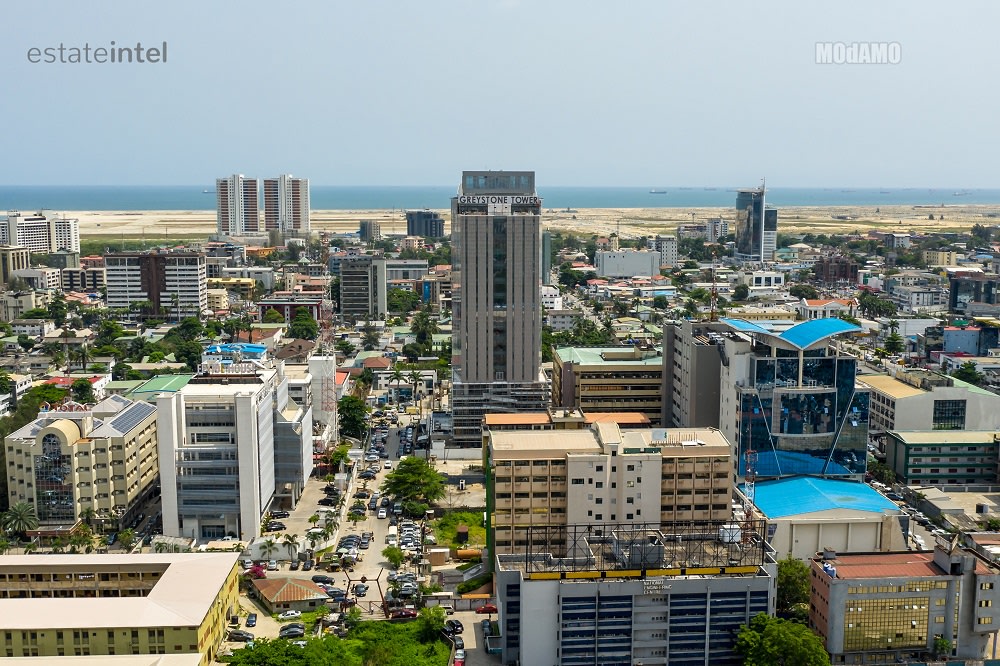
x,y
103,605
603,476
13,258
74,457
608,379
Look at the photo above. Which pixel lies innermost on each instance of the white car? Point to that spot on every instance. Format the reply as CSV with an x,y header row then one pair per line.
x,y
388,464
289,615
381,513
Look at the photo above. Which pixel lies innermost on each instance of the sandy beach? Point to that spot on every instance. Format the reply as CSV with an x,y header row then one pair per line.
x,y
628,222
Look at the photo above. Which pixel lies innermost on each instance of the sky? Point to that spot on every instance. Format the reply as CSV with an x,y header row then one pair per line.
x,y
657,93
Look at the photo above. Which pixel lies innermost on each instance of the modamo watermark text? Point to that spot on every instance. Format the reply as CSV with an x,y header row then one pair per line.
x,y
858,53
99,55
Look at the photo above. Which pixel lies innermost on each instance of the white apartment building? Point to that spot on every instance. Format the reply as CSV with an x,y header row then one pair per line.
x,y
41,232
551,298
286,204
237,205
627,263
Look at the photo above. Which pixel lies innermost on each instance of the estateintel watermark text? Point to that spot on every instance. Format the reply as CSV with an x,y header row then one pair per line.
x,y
858,53
90,55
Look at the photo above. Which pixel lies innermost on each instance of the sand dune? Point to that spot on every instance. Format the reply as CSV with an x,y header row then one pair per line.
x,y
628,222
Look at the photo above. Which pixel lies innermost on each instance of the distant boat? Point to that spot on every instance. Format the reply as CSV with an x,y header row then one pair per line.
x,y
206,191
657,191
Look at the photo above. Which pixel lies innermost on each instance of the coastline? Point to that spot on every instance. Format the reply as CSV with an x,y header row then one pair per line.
x,y
628,222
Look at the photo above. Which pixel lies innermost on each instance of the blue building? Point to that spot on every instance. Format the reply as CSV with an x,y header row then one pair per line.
x,y
790,397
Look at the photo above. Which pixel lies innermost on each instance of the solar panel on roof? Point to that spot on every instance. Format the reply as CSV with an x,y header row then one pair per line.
x,y
132,416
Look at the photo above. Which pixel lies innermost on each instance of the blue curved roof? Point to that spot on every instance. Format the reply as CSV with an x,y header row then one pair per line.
x,y
801,335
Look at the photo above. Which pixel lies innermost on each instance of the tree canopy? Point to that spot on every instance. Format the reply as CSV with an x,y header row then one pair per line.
x,y
769,641
793,584
968,372
351,411
401,301
303,325
414,479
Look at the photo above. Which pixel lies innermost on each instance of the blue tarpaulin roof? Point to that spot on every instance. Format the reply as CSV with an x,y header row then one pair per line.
x,y
808,494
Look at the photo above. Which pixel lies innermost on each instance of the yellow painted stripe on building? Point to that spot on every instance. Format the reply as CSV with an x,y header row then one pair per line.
x,y
552,575
628,573
584,574
703,571
663,572
739,570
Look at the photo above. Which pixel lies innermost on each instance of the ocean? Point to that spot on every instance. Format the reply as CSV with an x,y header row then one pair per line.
x,y
322,197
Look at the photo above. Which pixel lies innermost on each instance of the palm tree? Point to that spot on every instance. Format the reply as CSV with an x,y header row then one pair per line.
x,y
30,547
4,545
330,518
328,530
161,547
127,538
416,379
20,518
313,538
313,519
87,515
397,379
269,548
291,542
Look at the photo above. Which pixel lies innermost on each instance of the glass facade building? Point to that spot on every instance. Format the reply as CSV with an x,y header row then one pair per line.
x,y
756,227
797,406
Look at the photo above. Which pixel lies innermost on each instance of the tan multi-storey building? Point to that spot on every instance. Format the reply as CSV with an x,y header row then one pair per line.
x,y
13,258
174,282
608,379
604,476
101,605
75,457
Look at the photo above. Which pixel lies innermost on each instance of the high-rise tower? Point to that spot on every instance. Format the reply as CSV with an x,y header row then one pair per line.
x,y
237,205
286,204
756,226
497,310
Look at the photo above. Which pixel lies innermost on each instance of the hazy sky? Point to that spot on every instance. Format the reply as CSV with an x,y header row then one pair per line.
x,y
584,93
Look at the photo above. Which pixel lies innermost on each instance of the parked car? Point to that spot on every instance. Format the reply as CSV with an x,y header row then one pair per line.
x,y
360,590
240,636
291,632
486,608
487,628
252,620
289,615
458,641
307,565
272,565
454,626
322,578
403,614
279,514
294,566
381,513
327,501
459,658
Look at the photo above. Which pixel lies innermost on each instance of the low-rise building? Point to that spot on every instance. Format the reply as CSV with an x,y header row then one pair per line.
x,y
888,608
608,379
943,457
282,594
78,605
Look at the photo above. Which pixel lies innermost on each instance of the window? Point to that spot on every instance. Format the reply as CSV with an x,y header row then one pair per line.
x,y
948,415
577,482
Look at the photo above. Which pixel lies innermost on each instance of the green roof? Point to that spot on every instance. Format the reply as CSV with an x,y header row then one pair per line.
x,y
125,384
972,388
163,384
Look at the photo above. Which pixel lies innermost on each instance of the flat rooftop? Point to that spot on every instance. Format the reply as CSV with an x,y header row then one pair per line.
x,y
542,443
928,437
890,386
805,494
608,356
183,595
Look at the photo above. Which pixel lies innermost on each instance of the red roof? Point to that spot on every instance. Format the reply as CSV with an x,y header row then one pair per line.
x,y
285,590
66,382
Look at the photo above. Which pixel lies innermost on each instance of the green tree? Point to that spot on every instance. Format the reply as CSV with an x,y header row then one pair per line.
x,y
430,622
274,316
968,372
351,411
83,391
806,291
19,518
127,538
401,301
393,555
793,584
414,478
769,641
894,343
303,325
369,336
291,542
268,548
741,292
661,302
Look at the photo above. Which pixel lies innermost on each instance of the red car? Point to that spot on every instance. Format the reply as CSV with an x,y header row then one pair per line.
x,y
488,608
403,614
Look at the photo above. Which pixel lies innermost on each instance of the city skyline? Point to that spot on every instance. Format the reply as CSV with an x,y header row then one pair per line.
x,y
654,94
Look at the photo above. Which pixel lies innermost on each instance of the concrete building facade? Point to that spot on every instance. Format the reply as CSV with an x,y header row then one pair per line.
x,y
286,204
496,302
691,369
42,232
177,281
627,263
76,457
13,258
666,246
237,205
608,379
